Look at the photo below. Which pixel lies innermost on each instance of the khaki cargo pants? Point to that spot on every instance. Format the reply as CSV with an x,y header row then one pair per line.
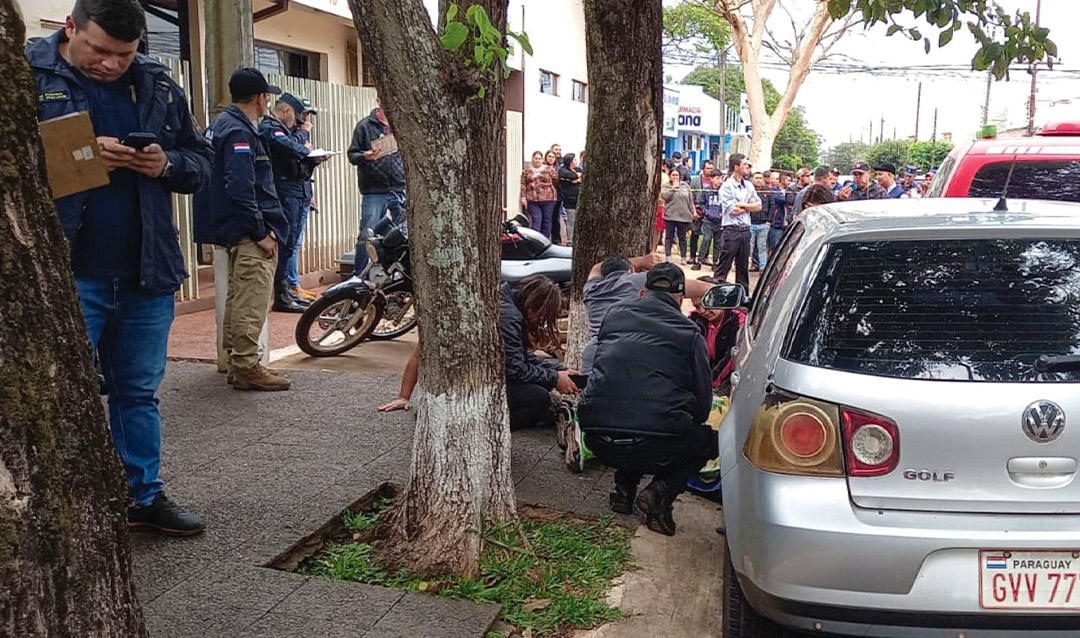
x,y
251,288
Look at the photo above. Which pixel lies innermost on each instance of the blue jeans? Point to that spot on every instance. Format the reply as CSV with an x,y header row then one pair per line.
x,y
759,238
129,329
295,206
775,235
292,268
372,207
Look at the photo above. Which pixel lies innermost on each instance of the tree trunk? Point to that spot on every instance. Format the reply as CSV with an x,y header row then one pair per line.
x,y
65,565
452,144
617,207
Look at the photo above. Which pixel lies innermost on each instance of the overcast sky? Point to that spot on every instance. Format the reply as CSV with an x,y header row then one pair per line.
x,y
840,106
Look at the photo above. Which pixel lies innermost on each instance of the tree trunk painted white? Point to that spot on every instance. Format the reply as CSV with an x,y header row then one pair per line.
x,y
452,144
617,207
65,564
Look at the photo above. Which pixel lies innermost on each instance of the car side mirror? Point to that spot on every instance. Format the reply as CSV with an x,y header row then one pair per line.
x,y
724,297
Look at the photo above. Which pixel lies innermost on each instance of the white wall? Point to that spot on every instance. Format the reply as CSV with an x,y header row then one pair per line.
x,y
556,29
34,11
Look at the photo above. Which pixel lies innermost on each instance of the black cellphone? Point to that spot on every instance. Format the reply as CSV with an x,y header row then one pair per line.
x,y
139,141
580,380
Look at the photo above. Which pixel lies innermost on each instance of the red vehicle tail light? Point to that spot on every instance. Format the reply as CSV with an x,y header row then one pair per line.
x,y
872,443
795,435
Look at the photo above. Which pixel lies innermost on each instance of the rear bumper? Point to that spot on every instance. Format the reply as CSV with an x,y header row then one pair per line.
x,y
806,554
906,624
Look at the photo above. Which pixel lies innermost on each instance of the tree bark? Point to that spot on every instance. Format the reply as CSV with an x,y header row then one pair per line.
x,y
617,207
452,144
765,126
65,565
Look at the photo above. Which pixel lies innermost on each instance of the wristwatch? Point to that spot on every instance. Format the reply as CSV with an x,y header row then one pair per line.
x,y
167,171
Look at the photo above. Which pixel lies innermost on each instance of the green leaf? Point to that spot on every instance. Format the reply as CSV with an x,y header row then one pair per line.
x,y
1051,48
945,37
926,45
478,53
481,92
893,29
523,40
455,36
839,8
451,12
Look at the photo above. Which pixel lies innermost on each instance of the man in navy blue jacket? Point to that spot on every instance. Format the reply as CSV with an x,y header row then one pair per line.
x,y
241,212
124,250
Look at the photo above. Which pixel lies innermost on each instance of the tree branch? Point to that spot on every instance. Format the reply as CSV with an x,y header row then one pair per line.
x,y
803,62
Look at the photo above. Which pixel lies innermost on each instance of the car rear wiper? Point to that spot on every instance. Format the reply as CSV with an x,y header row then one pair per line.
x,y
1062,363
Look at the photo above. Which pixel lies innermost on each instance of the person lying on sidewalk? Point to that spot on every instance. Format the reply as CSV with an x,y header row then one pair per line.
x,y
645,407
720,328
528,312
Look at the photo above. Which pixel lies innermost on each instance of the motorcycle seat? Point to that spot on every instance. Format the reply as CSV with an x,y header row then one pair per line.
x,y
555,251
557,270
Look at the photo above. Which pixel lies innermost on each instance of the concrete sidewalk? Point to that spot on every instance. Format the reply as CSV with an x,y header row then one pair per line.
x,y
265,470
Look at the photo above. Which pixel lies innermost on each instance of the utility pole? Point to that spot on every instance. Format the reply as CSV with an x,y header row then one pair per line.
x,y
871,140
1034,73
229,46
986,104
933,136
918,109
881,131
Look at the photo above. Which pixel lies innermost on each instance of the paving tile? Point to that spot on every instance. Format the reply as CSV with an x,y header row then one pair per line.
x,y
428,615
185,618
361,606
234,585
274,625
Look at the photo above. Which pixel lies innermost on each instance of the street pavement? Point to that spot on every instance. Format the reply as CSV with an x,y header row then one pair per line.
x,y
265,470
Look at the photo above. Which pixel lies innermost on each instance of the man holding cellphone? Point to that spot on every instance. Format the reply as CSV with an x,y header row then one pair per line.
x,y
124,250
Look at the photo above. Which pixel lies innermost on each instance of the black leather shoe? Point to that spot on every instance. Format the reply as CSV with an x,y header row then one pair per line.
x,y
287,303
297,298
622,500
658,516
164,517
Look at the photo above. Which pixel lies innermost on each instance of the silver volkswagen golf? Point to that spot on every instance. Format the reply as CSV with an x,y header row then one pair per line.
x,y
900,457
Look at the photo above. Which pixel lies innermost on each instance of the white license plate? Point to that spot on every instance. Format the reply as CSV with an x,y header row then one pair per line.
x,y
1029,579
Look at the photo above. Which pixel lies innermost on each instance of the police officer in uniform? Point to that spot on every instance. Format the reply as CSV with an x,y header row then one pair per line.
x,y
241,211
292,178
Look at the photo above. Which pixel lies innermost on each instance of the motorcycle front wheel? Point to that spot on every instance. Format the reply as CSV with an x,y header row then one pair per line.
x,y
398,316
338,323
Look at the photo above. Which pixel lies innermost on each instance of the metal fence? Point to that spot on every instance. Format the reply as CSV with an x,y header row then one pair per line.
x,y
182,208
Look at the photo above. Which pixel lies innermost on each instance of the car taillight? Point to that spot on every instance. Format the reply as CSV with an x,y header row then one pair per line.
x,y
795,435
872,443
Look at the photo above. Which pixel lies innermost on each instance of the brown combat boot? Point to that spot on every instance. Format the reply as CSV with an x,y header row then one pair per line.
x,y
304,294
259,378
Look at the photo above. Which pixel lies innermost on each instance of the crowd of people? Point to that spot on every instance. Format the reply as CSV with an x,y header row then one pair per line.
x,y
550,185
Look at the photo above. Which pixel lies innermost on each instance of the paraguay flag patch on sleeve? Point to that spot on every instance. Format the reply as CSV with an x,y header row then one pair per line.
x,y
241,147
279,133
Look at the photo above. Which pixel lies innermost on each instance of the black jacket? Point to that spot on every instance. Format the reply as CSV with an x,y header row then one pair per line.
x,y
242,202
651,373
568,190
375,176
163,111
522,366
288,155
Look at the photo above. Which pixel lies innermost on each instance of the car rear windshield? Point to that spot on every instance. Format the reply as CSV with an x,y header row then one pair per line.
x,y
962,310
1056,181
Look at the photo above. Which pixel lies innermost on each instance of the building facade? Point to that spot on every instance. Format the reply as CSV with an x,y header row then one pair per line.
x,y
697,125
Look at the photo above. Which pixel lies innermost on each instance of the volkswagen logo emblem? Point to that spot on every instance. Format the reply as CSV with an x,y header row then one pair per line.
x,y
1043,421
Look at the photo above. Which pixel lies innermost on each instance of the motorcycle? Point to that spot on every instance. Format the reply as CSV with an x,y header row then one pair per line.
x,y
379,305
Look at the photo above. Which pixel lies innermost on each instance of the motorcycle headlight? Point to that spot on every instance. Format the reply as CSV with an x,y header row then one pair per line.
x,y
372,252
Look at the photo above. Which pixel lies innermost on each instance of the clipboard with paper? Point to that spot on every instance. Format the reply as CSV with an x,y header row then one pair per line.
x,y
384,145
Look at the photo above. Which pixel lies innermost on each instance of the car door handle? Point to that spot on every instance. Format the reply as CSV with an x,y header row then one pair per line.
x,y
1042,471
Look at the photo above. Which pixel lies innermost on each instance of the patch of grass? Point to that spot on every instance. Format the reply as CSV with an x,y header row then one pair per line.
x,y
364,521
557,583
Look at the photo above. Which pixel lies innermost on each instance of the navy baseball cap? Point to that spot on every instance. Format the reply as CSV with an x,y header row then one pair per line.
x,y
860,167
247,82
666,278
296,103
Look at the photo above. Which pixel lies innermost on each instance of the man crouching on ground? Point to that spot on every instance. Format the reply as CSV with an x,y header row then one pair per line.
x,y
648,396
